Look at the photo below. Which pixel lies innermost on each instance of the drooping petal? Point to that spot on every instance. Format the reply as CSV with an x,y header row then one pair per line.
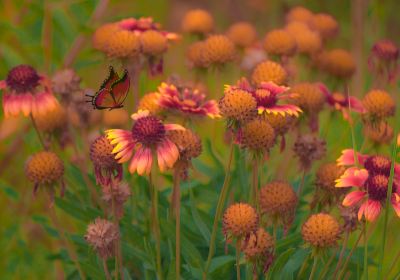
x,y
144,162
347,158
353,198
171,126
361,211
372,210
352,177
137,157
167,154
273,88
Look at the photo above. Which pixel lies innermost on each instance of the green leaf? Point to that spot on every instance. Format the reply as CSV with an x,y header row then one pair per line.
x,y
9,191
219,262
281,261
294,264
205,232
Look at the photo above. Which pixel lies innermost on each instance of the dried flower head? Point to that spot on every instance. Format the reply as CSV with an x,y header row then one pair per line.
x,y
198,22
279,42
349,216
153,43
269,71
102,235
321,230
379,105
300,14
310,97
116,194
106,166
257,135
309,148
307,40
195,55
278,200
65,82
218,50
27,92
239,220
326,25
257,244
243,34
122,44
380,133
45,168
102,36
339,63
238,105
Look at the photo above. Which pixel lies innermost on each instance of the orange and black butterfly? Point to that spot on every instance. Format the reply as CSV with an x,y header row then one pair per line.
x,y
112,92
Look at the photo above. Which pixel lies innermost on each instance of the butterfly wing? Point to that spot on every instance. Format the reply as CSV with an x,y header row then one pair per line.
x,y
120,88
104,100
112,78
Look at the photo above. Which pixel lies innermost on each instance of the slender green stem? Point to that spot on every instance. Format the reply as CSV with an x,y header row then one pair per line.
x,y
365,251
220,206
238,259
117,261
314,268
106,272
255,195
300,189
303,267
344,245
327,265
156,225
386,216
177,204
396,259
37,132
350,254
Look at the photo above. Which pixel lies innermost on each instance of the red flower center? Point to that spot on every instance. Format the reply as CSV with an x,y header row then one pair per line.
x,y
22,78
377,186
378,165
265,98
148,130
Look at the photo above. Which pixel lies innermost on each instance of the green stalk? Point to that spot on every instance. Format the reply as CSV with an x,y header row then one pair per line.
x,y
365,251
220,206
238,259
156,225
350,254
346,239
314,268
386,216
37,131
177,204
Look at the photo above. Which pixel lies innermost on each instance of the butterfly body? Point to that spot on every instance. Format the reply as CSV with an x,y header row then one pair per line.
x,y
112,92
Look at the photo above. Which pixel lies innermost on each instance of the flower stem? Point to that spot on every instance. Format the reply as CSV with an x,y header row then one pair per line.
x,y
303,268
238,259
156,225
314,268
118,255
344,245
177,204
220,206
300,189
327,266
106,272
255,194
37,132
365,251
396,259
386,216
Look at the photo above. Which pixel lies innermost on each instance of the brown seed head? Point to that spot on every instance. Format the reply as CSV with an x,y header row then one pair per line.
x,y
258,135
381,133
299,13
257,244
280,124
379,104
102,35
101,152
321,230
339,63
243,34
307,41
52,120
219,49
238,105
102,235
240,219
44,168
196,56
198,22
326,25
188,143
309,148
310,98
153,42
279,42
327,174
277,198
269,71
123,44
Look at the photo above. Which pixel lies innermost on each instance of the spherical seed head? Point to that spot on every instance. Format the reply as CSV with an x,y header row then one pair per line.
x,y
258,243
280,124
240,219
188,143
52,120
340,63
309,148
308,41
321,230
115,118
153,42
148,130
219,49
269,71
195,54
378,165
22,78
243,34
381,133
101,153
279,42
258,135
310,98
65,82
326,25
377,186
327,174
238,105
277,198
198,22
299,13
102,36
379,104
386,50
123,43
102,235
149,102
44,168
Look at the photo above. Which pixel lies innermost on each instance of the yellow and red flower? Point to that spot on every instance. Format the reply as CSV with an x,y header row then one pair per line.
x,y
342,103
372,181
27,92
147,137
267,95
187,100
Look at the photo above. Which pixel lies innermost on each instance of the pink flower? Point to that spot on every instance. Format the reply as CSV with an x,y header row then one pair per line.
x,y
187,100
27,92
147,137
372,181
143,24
267,95
340,102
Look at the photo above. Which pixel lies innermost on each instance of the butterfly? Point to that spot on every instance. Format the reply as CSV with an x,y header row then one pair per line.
x,y
112,92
